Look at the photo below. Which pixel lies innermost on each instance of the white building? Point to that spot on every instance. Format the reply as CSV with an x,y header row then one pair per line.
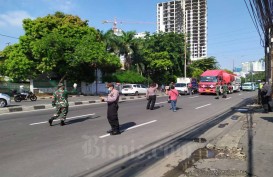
x,y
258,65
253,66
247,67
189,17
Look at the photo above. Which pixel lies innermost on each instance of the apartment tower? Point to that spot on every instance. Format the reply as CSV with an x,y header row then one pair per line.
x,y
188,17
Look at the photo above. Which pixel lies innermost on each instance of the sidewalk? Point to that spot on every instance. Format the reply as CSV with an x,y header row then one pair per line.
x,y
232,148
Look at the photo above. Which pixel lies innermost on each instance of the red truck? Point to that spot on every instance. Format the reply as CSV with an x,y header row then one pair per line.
x,y
209,79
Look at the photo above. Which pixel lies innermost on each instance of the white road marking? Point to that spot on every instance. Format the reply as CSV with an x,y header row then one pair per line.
x,y
103,136
202,106
194,97
66,119
228,98
162,102
240,94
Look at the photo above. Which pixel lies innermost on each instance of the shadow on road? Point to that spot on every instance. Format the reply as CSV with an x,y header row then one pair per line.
x,y
269,119
74,121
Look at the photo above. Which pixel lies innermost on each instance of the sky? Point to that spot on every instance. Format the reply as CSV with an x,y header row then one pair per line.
x,y
232,37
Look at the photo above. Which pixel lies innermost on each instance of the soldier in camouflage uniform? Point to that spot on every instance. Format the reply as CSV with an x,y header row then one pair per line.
x,y
217,90
225,90
61,103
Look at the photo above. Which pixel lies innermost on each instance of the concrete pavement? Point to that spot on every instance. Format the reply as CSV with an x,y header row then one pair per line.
x,y
239,146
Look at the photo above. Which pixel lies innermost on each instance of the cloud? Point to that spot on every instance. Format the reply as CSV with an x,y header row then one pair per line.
x,y
13,18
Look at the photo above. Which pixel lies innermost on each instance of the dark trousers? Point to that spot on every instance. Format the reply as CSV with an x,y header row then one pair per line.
x,y
265,102
151,102
112,116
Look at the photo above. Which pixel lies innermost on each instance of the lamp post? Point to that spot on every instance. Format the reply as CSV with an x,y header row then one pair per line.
x,y
185,45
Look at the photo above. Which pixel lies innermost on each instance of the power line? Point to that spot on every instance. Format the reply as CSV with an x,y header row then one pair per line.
x,y
9,36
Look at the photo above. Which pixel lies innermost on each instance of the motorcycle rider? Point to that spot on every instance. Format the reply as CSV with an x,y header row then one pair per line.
x,y
23,92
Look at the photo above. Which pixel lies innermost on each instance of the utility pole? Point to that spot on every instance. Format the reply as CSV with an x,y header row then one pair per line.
x,y
185,45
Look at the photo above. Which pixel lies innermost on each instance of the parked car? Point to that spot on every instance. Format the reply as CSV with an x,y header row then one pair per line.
x,y
133,89
4,100
249,86
182,88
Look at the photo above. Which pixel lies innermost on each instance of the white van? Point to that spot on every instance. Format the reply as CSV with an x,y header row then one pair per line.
x,y
249,86
182,88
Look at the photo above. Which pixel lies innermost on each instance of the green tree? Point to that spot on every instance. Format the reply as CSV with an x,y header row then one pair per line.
x,y
121,45
255,76
62,44
163,56
209,63
125,77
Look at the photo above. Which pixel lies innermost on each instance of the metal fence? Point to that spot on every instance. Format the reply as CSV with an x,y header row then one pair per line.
x,y
9,87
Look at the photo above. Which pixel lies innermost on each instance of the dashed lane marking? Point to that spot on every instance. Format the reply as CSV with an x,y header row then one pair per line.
x,y
37,123
194,97
103,136
202,106
162,102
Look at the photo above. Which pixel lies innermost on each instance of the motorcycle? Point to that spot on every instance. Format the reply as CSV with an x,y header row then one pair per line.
x,y
25,96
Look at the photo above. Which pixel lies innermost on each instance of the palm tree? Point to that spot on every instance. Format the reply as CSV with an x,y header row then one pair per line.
x,y
126,42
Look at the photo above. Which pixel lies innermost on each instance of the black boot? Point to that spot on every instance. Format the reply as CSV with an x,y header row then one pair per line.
x,y
50,122
62,123
115,133
110,131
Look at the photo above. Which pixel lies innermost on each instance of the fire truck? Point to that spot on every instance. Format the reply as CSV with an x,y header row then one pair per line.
x,y
209,79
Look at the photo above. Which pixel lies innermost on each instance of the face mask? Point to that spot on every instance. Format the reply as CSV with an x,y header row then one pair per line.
x,y
109,89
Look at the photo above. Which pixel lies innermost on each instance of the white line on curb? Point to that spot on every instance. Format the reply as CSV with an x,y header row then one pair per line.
x,y
202,106
66,119
103,136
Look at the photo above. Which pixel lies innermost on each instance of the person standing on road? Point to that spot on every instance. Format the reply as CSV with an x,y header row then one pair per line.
x,y
151,96
61,103
112,109
189,85
217,90
266,96
225,90
173,95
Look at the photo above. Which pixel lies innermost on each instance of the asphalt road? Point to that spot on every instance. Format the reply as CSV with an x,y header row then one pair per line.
x,y
30,147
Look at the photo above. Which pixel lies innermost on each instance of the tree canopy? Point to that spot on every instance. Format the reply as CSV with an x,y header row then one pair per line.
x,y
60,43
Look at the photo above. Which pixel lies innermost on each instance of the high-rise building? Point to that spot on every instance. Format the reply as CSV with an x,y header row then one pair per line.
x,y
188,17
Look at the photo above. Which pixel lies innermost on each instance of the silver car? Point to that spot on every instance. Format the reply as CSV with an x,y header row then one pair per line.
x,y
4,100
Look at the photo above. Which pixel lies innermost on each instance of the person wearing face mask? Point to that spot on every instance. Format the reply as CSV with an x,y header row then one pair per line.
x,y
112,109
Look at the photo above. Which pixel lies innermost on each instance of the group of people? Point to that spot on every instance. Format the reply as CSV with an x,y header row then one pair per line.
x,y
170,91
218,90
60,101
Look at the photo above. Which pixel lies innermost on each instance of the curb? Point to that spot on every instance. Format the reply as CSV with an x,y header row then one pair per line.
x,y
50,97
48,106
